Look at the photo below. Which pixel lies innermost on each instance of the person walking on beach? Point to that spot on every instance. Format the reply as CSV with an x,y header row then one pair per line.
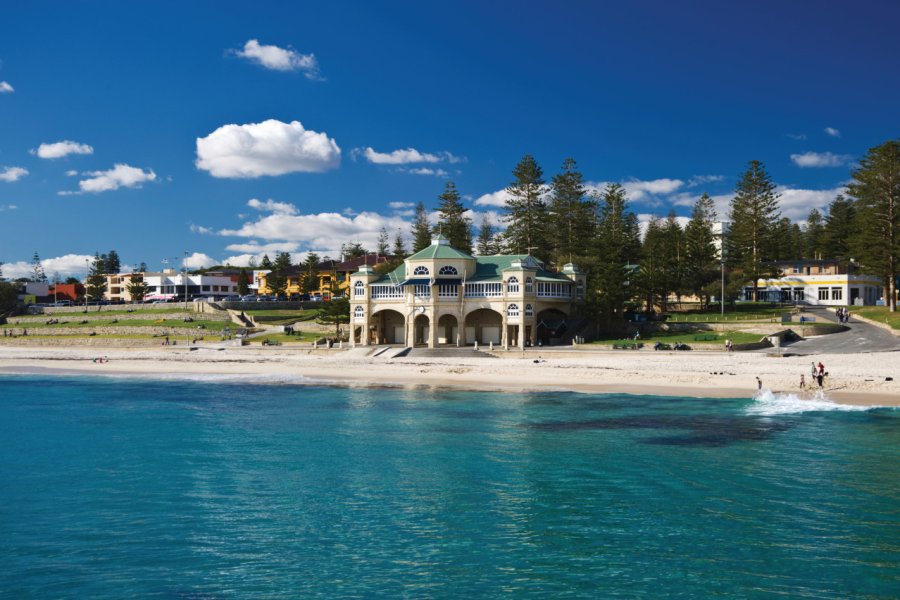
x,y
759,384
802,381
813,371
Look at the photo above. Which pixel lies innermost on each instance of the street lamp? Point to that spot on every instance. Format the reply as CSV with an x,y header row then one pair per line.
x,y
87,267
184,277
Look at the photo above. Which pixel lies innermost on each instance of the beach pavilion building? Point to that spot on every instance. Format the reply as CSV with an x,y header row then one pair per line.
x,y
442,296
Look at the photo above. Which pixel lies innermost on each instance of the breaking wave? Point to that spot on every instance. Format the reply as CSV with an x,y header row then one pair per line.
x,y
767,403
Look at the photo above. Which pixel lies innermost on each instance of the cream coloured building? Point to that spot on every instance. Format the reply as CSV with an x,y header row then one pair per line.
x,y
442,296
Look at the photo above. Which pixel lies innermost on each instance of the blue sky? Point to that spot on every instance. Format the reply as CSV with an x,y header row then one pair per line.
x,y
226,130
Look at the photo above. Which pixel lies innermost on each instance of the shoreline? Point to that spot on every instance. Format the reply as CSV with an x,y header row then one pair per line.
x,y
710,375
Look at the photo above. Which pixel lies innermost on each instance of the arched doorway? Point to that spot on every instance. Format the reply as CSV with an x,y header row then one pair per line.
x,y
421,330
552,325
484,326
388,327
448,330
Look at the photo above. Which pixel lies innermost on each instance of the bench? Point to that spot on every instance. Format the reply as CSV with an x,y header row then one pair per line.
x,y
707,337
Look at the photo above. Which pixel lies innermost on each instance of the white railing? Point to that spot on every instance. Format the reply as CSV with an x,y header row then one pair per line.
x,y
484,290
422,291
448,291
547,289
386,291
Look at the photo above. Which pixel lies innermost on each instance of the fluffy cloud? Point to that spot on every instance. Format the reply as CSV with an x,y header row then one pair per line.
x,y
61,149
10,174
201,230
71,173
401,205
426,171
270,205
820,159
198,260
497,198
704,179
795,203
68,265
5,88
257,249
8,207
267,148
405,156
280,59
832,132
796,136
121,175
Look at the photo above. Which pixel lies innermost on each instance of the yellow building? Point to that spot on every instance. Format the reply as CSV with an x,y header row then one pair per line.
x,y
334,277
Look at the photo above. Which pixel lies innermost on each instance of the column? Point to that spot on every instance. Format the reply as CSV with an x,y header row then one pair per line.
x,y
411,330
522,330
503,330
432,330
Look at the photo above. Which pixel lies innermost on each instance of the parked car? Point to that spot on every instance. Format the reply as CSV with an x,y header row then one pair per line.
x,y
234,298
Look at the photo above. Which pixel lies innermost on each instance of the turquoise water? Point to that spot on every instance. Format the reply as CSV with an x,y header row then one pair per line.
x,y
113,488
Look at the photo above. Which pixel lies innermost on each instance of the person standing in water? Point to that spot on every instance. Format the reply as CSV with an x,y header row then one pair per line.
x,y
759,384
802,381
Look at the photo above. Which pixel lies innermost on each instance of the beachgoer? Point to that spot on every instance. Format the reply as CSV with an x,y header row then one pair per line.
x,y
821,368
813,370
819,378
758,383
802,381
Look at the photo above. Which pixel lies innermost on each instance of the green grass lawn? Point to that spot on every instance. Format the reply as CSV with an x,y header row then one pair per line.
x,y
738,337
282,317
743,312
75,322
299,337
880,314
108,312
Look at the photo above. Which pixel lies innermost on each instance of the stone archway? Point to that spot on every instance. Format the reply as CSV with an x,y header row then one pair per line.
x,y
484,326
421,330
448,330
389,327
552,325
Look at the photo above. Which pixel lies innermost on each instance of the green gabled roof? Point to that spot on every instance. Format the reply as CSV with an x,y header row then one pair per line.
x,y
487,268
394,277
439,251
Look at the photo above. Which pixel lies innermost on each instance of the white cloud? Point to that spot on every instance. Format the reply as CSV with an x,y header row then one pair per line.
x,y
267,148
10,174
256,248
820,159
198,260
399,205
832,132
71,173
280,59
497,198
426,171
201,230
796,136
121,175
8,207
282,208
61,149
796,203
68,265
645,218
638,189
703,179
5,88
406,156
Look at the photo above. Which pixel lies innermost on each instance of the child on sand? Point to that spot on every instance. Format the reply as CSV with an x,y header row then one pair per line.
x,y
802,381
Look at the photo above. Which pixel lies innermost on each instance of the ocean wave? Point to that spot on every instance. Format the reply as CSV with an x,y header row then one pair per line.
x,y
768,403
251,378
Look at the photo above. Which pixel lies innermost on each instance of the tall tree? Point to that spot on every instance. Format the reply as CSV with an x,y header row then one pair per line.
x,y
350,250
95,286
650,277
336,312
266,262
571,214
243,282
277,278
112,263
486,245
383,241
839,227
674,258
618,245
310,281
37,269
452,222
814,235
876,189
399,249
142,268
754,214
137,287
421,231
701,265
526,219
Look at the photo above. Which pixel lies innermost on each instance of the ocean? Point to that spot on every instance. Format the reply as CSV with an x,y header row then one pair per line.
x,y
236,488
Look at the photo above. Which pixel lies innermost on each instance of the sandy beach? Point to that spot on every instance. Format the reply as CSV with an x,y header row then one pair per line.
x,y
860,379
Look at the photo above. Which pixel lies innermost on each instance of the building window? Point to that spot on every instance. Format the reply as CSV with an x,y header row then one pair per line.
x,y
358,312
512,285
421,271
837,293
484,290
205,288
799,295
529,310
387,291
448,270
512,310
529,285
359,289
579,290
554,290
823,293
422,291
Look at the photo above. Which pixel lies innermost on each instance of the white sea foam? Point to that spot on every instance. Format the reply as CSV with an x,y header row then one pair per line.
x,y
769,404
252,378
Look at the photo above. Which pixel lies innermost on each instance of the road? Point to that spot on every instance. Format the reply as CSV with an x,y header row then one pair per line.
x,y
862,337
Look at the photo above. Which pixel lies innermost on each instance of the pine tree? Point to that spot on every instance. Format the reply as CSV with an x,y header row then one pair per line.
x,y
137,287
243,282
112,263
571,214
399,250
277,280
618,246
674,258
876,189
452,222
421,231
383,240
839,227
526,219
37,270
754,216
310,281
350,250
814,235
701,256
486,244
95,286
142,268
266,262
650,277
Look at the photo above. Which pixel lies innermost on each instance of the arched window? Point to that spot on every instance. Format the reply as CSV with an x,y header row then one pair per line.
x,y
359,289
420,271
512,285
529,285
529,310
358,312
448,270
512,310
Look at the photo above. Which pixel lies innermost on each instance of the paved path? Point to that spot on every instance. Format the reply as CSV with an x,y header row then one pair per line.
x,y
862,337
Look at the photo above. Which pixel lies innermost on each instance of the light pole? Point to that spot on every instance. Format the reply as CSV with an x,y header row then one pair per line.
x,y
87,267
184,277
